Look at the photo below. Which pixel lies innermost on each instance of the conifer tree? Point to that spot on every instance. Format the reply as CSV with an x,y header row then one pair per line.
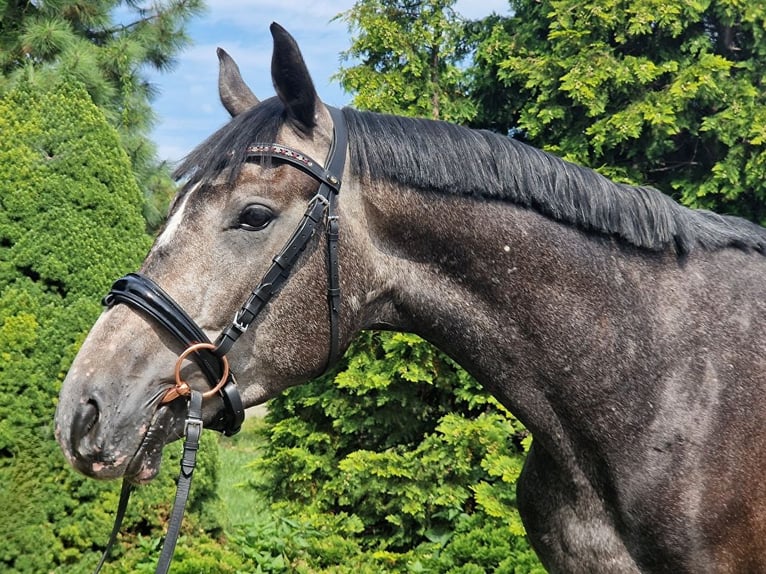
x,y
107,45
407,57
70,223
662,93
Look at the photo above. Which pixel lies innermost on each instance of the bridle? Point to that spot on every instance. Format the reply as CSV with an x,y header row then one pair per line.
x,y
143,295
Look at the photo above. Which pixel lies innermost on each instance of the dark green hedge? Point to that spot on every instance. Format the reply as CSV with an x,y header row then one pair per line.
x,y
70,222
398,463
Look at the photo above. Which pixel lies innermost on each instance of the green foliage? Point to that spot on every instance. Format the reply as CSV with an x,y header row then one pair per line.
x,y
399,462
70,222
107,47
411,55
668,94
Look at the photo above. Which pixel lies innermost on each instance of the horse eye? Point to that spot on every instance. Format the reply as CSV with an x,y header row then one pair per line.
x,y
255,217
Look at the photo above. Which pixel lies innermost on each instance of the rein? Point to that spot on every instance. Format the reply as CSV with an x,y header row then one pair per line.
x,y
146,297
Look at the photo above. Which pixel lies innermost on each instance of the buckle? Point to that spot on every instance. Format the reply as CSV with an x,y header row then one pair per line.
x,y
321,198
238,324
192,422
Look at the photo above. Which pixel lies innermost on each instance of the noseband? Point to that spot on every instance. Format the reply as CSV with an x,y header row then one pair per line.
x,y
146,297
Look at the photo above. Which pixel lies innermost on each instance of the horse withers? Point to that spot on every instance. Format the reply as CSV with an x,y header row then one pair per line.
x,y
625,331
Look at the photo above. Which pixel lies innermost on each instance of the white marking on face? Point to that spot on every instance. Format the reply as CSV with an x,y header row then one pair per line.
x,y
174,223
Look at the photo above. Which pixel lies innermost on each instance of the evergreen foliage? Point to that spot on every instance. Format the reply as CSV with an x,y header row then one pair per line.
x,y
107,46
397,463
668,94
408,58
70,223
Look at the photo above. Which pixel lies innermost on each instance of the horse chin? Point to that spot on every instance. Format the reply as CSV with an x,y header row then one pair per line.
x,y
145,464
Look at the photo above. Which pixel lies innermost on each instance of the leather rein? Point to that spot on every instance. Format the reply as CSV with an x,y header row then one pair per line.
x,y
147,298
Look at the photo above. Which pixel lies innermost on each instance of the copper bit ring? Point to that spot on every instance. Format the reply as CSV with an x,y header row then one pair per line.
x,y
182,388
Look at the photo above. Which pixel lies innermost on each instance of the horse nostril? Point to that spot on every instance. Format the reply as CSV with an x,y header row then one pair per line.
x,y
92,415
85,420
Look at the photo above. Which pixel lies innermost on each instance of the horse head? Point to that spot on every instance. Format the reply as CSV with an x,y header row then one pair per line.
x,y
237,208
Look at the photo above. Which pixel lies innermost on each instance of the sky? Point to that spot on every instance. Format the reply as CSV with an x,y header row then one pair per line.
x,y
187,105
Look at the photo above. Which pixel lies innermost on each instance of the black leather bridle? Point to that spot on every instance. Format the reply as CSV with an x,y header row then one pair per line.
x,y
146,297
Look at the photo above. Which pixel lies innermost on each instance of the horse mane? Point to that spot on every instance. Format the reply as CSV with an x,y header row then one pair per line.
x,y
445,158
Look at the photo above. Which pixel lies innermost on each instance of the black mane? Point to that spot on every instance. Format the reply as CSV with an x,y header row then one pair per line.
x,y
446,158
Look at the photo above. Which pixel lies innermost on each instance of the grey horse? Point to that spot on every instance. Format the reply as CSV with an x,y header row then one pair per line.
x,y
624,330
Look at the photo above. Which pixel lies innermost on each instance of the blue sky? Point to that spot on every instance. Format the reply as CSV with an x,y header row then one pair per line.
x,y
187,105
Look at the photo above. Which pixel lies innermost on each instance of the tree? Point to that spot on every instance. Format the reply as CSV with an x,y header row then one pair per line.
x,y
399,462
651,92
70,223
106,46
409,53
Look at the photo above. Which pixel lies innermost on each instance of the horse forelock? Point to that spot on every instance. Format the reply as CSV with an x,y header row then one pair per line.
x,y
445,158
224,153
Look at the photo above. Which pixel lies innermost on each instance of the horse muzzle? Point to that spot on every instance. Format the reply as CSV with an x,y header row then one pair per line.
x,y
107,444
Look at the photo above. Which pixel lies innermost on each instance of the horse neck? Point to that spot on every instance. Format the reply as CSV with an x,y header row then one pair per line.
x,y
586,340
513,296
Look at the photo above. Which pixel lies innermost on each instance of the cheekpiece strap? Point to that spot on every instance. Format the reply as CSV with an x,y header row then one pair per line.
x,y
192,433
321,208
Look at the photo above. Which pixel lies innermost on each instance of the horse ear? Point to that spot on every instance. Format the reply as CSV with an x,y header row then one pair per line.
x,y
292,80
235,96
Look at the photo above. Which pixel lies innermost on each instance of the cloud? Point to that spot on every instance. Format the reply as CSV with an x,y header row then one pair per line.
x,y
293,15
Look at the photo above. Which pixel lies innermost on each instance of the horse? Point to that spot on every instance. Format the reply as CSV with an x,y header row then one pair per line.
x,y
624,330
